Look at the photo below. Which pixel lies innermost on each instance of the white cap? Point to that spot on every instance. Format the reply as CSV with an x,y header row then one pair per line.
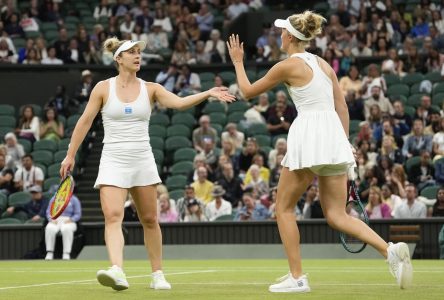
x,y
86,73
128,45
280,23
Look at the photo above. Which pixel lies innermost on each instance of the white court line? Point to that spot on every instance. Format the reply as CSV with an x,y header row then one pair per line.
x,y
92,280
270,282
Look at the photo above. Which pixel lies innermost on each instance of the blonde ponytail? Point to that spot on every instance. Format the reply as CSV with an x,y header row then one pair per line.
x,y
112,44
308,23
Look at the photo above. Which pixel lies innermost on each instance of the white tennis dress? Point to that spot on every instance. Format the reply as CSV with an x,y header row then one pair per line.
x,y
316,138
127,159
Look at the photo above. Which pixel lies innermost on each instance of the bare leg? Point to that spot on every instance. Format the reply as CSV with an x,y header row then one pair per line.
x,y
292,184
332,198
112,200
145,198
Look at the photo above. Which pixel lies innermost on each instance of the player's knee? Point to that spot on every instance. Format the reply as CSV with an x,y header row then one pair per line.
x,y
334,219
113,216
148,219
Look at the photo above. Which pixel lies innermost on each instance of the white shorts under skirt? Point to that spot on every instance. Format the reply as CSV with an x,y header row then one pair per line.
x,y
126,165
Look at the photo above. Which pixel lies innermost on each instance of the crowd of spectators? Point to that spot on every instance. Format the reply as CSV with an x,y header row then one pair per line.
x,y
398,150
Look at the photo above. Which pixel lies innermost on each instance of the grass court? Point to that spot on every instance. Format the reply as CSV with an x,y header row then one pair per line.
x,y
218,279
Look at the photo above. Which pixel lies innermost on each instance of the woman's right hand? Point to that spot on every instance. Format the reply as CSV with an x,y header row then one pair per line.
x,y
235,49
67,166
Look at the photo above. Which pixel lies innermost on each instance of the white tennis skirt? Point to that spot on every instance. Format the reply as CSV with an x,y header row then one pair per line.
x,y
126,165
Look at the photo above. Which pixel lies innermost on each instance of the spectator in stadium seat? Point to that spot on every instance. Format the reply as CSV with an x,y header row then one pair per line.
x,y
280,116
128,24
29,175
231,184
400,116
421,28
199,161
120,8
414,62
36,208
40,46
422,174
166,213
145,20
311,203
313,48
234,10
389,127
102,10
202,186
264,173
434,121
218,206
181,55
417,141
332,60
250,149
51,128
66,224
6,177
84,87
74,54
60,101
438,142
361,50
51,59
6,53
28,126
262,106
215,47
13,28
262,41
211,153
200,55
167,77
205,21
161,17
232,134
377,97
390,148
424,109
251,210
376,208
229,150
182,203
130,212
392,64
351,81
204,131
438,207
195,212
14,150
394,201
372,79
355,105
188,82
412,207
22,52
32,58
157,38
257,184
280,148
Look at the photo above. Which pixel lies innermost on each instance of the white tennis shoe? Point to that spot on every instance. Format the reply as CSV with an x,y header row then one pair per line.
x,y
289,284
398,258
113,277
158,281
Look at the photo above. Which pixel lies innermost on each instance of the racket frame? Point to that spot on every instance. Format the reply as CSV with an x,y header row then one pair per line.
x,y
60,211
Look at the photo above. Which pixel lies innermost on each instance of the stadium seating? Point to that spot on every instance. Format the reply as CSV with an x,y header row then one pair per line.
x,y
176,182
181,168
7,110
430,192
178,130
184,154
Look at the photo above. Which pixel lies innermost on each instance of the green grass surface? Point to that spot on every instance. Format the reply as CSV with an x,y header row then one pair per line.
x,y
218,279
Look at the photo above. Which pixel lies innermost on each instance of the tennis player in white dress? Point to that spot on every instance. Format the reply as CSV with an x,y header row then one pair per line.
x,y
127,162
317,145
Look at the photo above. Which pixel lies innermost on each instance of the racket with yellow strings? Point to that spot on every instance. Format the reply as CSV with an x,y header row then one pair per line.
x,y
62,197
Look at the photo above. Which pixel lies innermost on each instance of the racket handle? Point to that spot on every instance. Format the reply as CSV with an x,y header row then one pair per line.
x,y
351,172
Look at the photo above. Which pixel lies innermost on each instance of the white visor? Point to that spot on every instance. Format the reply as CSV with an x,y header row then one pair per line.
x,y
280,23
128,45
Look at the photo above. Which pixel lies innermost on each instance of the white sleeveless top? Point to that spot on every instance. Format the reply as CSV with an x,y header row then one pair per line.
x,y
316,137
126,122
318,93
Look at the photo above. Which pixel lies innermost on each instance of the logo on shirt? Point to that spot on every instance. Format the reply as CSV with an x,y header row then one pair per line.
x,y
128,110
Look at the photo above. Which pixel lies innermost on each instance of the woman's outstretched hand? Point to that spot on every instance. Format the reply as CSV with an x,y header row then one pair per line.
x,y
222,94
235,49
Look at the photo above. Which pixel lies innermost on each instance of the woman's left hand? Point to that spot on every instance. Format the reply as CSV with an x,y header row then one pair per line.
x,y
222,94
235,49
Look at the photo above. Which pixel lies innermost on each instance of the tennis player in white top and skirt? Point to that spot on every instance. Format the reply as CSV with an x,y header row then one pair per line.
x,y
127,162
317,145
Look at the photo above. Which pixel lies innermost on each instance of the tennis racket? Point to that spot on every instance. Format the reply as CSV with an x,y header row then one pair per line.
x,y
62,197
354,208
